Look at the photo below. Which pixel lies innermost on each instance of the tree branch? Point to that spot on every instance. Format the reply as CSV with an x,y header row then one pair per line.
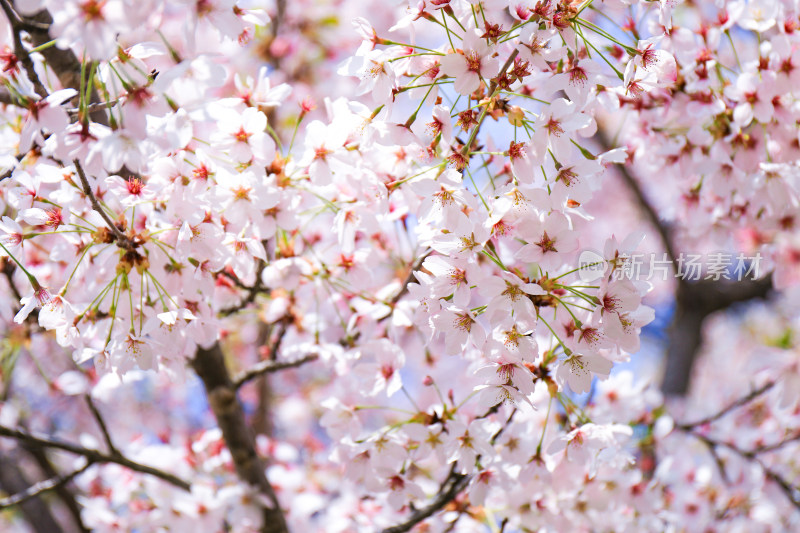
x,y
448,491
41,487
35,511
19,49
752,455
63,493
62,61
787,488
268,366
694,300
221,391
738,403
410,278
122,241
102,423
94,456
452,485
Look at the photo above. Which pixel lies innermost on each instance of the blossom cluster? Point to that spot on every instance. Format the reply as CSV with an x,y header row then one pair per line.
x,y
165,193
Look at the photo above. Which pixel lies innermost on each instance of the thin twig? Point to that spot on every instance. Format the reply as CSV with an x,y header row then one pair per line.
x,y
95,456
503,427
63,492
492,88
452,485
777,446
450,488
788,489
738,403
410,278
122,240
96,106
41,487
252,292
269,366
751,455
712,449
102,423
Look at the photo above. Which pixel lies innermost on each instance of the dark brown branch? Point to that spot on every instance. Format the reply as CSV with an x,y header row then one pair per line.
x,y
210,367
788,489
94,456
448,491
261,420
503,427
280,13
268,366
41,487
6,98
19,49
694,302
252,292
62,61
451,487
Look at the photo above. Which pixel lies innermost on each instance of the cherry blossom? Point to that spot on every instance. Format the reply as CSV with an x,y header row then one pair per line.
x,y
265,268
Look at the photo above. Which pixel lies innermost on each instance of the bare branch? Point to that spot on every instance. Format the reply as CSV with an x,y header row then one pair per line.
x,y
94,456
268,366
210,367
42,487
788,489
102,423
410,278
449,490
776,446
122,240
452,485
252,292
738,403
791,492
